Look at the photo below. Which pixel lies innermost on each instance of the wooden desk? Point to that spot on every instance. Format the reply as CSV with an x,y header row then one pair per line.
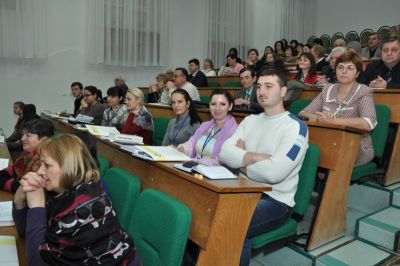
x,y
339,146
390,98
221,209
11,230
221,80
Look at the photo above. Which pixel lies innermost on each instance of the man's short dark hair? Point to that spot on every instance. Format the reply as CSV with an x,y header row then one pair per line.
x,y
273,72
184,71
253,74
41,127
391,39
317,41
20,104
195,61
76,83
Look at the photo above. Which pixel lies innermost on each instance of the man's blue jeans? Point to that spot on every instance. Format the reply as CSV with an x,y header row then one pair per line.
x,y
268,215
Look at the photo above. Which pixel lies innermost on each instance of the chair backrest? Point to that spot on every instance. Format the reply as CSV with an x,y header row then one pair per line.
x,y
352,36
307,175
380,132
205,98
383,33
104,164
336,36
233,84
160,127
298,105
364,37
326,40
213,84
124,189
160,228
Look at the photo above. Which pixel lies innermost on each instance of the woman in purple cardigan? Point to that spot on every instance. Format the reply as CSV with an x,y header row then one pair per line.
x,y
204,146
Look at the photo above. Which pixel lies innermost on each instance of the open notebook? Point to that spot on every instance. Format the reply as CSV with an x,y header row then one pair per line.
x,y
159,153
211,172
8,251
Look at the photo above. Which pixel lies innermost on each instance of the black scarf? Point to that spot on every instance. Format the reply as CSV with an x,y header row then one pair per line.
x,y
83,229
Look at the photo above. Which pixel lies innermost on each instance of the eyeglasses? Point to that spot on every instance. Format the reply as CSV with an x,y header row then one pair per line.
x,y
347,68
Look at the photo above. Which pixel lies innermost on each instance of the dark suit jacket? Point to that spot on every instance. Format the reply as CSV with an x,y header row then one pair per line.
x,y
200,80
254,105
378,68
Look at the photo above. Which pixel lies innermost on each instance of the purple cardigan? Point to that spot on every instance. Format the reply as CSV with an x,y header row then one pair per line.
x,y
227,130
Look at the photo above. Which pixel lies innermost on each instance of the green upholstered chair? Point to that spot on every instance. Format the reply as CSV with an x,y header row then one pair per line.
x,y
379,137
298,105
160,127
311,39
124,189
160,228
383,33
104,164
302,198
326,40
336,36
352,36
213,84
233,84
205,98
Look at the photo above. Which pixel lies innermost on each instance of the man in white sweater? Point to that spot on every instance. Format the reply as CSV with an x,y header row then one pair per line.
x,y
268,148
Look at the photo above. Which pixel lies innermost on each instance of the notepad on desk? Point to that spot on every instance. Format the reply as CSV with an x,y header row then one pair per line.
x,y
8,251
159,153
214,172
102,130
4,163
6,213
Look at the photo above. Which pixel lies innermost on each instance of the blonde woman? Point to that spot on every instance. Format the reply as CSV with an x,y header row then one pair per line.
x,y
63,212
139,121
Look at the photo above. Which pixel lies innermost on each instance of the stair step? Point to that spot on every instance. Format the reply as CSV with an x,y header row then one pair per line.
x,y
381,228
368,198
355,253
396,197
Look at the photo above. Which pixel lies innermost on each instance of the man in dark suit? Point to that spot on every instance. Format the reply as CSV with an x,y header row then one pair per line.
x,y
196,77
246,98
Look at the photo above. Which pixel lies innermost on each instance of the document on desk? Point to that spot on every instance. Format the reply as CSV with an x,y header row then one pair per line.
x,y
3,163
8,251
159,153
102,130
6,213
214,172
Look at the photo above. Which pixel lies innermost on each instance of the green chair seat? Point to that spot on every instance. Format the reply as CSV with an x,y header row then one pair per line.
x,y
160,127
286,230
124,189
298,105
233,84
302,198
160,228
363,170
213,84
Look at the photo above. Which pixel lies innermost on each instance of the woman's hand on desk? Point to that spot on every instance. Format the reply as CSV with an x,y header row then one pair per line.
x,y
325,117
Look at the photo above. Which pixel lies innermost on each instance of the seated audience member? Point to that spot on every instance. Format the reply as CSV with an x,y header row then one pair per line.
x,y
347,103
234,51
139,121
34,132
170,74
267,50
64,214
299,50
186,122
91,106
77,92
14,142
290,57
317,41
279,49
285,43
307,69
373,50
252,61
208,68
339,42
246,98
394,31
119,81
196,77
274,61
18,108
233,66
384,73
328,74
319,54
268,148
294,43
158,91
307,48
116,113
204,146
179,80
354,47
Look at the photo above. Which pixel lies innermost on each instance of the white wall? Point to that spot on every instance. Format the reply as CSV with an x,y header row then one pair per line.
x,y
347,15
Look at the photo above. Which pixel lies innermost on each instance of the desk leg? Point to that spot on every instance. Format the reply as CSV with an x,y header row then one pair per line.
x,y
330,221
228,230
393,171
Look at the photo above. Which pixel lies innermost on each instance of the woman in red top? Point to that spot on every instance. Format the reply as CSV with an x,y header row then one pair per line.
x,y
139,121
307,69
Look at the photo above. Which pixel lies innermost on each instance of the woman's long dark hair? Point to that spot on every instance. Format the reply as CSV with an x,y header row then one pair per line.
x,y
227,95
194,117
313,68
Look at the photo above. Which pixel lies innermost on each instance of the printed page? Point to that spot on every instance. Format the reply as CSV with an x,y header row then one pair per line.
x,y
214,172
8,251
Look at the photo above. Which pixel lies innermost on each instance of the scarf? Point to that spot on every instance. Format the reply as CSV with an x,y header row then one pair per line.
x,y
83,229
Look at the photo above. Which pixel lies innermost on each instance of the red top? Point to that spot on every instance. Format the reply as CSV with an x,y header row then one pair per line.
x,y
134,129
311,79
